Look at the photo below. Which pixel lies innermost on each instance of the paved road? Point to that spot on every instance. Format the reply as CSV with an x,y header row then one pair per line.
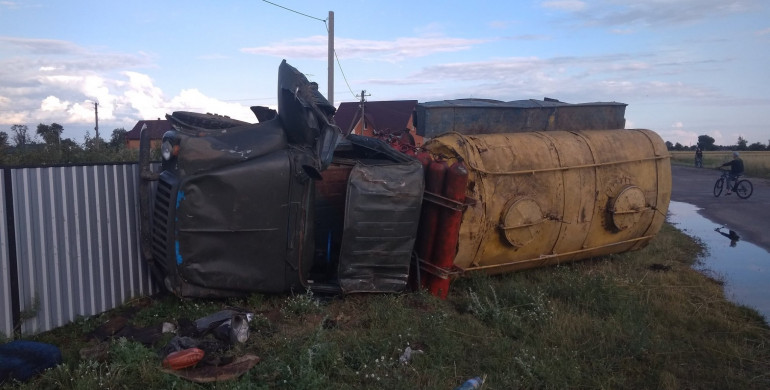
x,y
750,217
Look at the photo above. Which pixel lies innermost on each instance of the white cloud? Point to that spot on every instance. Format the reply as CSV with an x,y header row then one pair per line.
x,y
677,133
194,100
66,95
764,32
622,31
41,46
501,24
52,103
565,5
11,4
400,49
143,96
651,12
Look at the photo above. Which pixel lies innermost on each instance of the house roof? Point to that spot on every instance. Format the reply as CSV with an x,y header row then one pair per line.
x,y
156,127
386,116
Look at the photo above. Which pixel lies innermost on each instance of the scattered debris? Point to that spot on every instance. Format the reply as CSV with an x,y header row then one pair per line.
x,y
207,374
659,267
471,384
98,351
183,359
230,325
21,360
198,351
406,357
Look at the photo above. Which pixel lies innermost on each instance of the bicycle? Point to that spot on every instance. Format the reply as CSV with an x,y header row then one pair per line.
x,y
742,187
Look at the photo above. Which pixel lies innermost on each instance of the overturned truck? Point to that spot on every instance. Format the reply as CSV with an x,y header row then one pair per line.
x,y
291,203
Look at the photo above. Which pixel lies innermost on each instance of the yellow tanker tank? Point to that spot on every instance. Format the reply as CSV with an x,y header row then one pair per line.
x,y
541,198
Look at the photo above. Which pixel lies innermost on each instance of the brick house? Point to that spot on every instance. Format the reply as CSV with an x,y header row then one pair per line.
x,y
156,128
382,118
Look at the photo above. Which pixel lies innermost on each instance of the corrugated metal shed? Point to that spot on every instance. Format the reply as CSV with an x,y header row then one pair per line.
x,y
484,116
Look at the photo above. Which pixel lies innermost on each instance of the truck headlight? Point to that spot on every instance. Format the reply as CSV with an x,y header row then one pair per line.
x,y
166,150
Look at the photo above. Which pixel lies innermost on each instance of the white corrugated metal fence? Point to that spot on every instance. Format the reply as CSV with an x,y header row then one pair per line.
x,y
69,246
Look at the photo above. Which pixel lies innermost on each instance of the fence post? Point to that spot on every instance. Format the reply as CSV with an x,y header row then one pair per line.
x,y
13,269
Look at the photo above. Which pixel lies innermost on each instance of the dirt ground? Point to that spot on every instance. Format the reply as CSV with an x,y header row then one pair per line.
x,y
749,217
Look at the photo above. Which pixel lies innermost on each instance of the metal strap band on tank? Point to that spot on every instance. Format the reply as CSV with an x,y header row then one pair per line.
x,y
541,220
533,171
657,178
547,257
446,202
441,272
555,149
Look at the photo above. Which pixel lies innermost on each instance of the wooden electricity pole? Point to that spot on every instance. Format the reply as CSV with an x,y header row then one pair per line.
x,y
96,116
330,64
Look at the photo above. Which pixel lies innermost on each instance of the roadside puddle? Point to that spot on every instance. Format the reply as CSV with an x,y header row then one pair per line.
x,y
743,266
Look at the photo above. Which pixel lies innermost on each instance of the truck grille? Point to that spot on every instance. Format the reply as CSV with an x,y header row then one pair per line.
x,y
162,217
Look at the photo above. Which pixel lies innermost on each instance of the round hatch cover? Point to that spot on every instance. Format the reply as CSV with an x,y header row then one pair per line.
x,y
627,207
521,222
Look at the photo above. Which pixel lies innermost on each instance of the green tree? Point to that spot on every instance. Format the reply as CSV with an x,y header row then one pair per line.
x,y
70,151
51,134
20,135
756,146
91,144
741,145
3,146
118,139
706,142
678,146
669,145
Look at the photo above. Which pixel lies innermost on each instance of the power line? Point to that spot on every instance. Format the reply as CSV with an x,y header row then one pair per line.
x,y
339,64
296,12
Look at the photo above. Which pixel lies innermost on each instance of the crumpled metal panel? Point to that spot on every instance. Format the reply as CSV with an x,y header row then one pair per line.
x,y
229,146
381,218
244,228
306,114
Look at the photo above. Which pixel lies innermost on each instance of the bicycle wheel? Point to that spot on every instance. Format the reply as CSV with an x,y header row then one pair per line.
x,y
744,189
718,186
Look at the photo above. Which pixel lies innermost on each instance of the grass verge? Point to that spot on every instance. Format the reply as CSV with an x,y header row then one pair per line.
x,y
643,319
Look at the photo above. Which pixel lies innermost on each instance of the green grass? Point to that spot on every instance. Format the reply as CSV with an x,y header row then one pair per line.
x,y
643,319
756,163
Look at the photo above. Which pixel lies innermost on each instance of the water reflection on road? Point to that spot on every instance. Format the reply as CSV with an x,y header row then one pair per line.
x,y
744,267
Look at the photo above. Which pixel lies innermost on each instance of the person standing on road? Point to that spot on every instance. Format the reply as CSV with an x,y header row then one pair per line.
x,y
736,169
698,157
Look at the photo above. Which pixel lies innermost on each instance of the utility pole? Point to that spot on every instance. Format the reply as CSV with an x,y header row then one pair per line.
x,y
362,105
330,64
96,115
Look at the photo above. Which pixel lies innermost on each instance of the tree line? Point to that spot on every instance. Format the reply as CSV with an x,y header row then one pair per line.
x,y
46,146
706,142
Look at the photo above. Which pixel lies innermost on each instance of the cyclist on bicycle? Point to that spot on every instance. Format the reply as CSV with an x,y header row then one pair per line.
x,y
736,170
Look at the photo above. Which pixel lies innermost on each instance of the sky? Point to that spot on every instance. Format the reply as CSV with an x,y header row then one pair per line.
x,y
684,67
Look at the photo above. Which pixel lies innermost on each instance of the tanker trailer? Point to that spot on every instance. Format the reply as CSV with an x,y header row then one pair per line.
x,y
533,199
